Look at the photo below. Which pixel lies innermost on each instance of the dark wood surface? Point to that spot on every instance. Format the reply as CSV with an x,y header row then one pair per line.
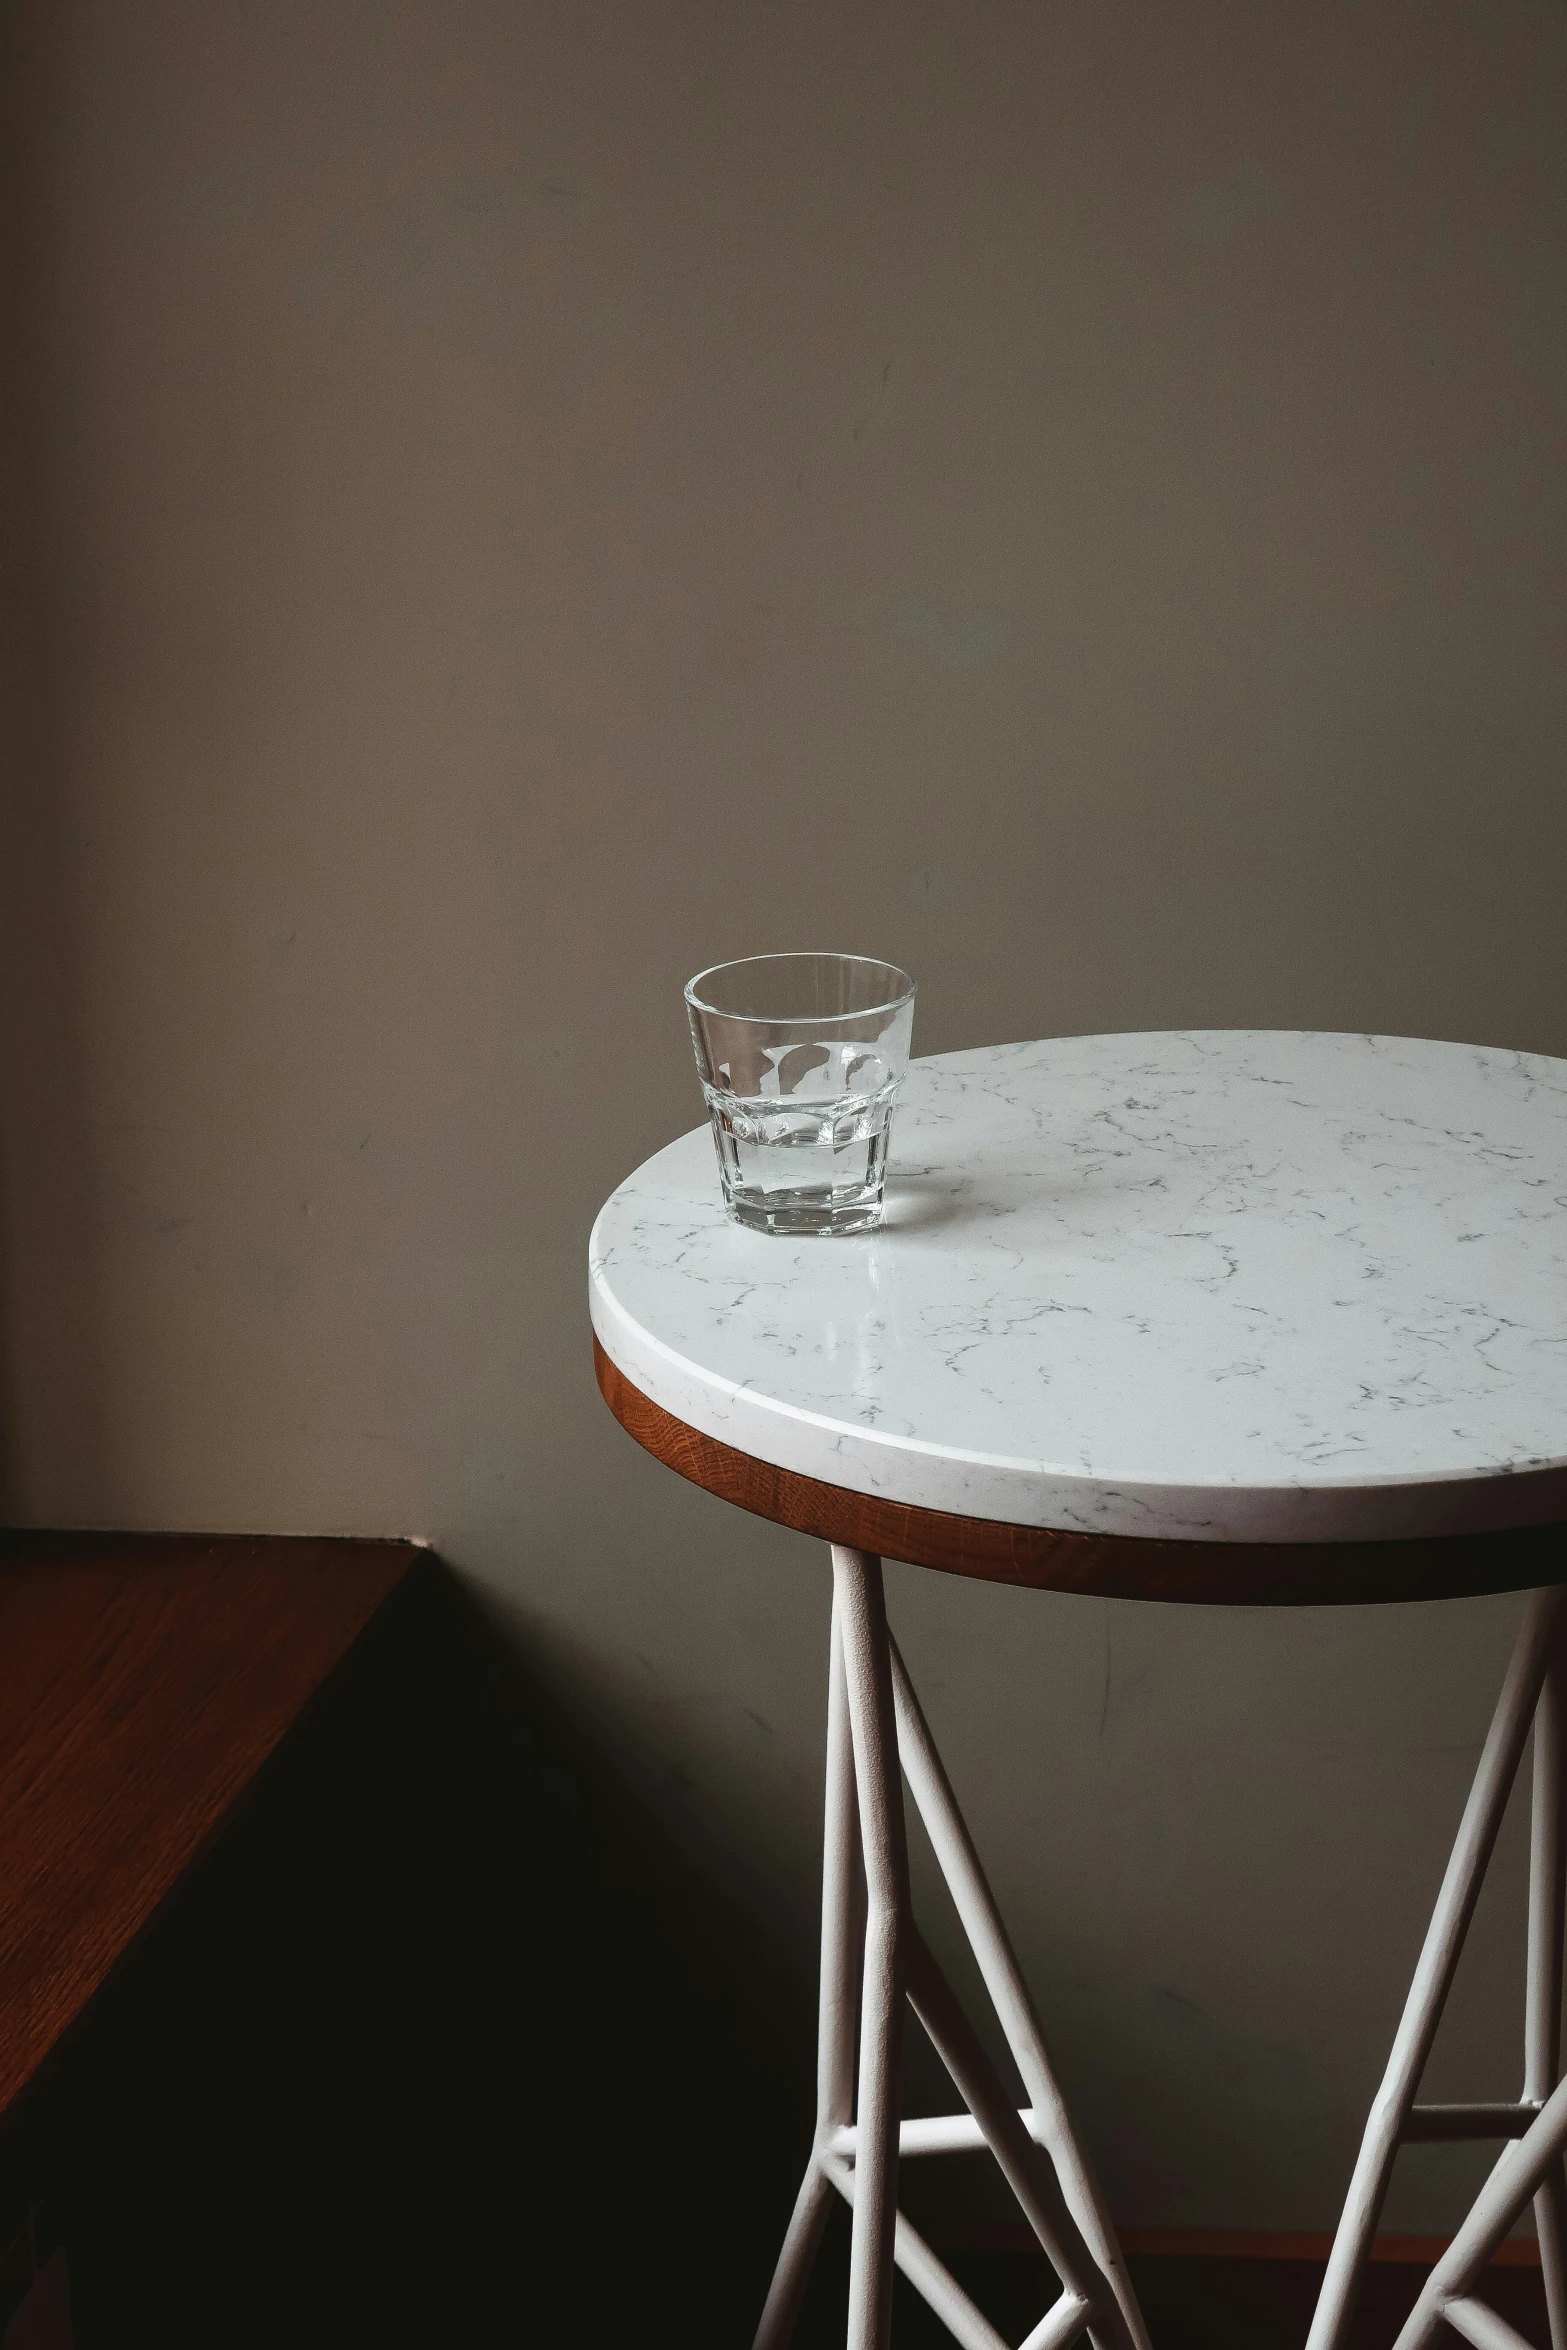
x,y
1253,1574
356,2085
144,1681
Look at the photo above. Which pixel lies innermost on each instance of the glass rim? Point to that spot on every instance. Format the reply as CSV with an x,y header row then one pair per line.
x,y
799,1019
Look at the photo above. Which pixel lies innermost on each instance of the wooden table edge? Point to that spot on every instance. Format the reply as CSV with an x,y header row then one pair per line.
x,y
388,1564
1111,1566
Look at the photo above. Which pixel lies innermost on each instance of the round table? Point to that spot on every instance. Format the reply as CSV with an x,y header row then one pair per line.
x,y
1246,1317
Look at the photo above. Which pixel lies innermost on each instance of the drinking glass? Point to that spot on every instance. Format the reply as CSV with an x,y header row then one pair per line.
x,y
801,1058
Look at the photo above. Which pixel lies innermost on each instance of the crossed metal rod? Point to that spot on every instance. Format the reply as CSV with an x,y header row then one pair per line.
x,y
1530,2164
874,1961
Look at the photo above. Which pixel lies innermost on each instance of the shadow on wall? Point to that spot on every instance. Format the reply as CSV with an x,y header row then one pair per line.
x,y
423,2055
50,1406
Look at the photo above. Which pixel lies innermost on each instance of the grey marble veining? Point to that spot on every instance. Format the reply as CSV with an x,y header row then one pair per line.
x,y
1233,1286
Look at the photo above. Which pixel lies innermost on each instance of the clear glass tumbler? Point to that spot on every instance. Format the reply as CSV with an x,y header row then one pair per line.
x,y
801,1058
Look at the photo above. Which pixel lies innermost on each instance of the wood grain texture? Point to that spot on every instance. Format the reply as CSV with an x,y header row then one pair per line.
x,y
144,1681
1248,1574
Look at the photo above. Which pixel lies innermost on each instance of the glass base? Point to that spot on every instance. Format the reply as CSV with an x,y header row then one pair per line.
x,y
804,1214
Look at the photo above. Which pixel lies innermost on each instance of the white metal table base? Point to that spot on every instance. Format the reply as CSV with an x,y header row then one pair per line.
x,y
874,1958
1535,2128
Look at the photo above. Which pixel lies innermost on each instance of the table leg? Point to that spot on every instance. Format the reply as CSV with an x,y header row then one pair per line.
x,y
1395,2118
873,1720
1543,2000
1448,2295
842,1931
868,1668
1003,1979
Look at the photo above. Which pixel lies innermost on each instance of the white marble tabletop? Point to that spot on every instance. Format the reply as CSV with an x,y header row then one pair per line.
x,y
1216,1286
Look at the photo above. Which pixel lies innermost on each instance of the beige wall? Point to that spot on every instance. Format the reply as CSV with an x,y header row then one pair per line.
x,y
509,504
